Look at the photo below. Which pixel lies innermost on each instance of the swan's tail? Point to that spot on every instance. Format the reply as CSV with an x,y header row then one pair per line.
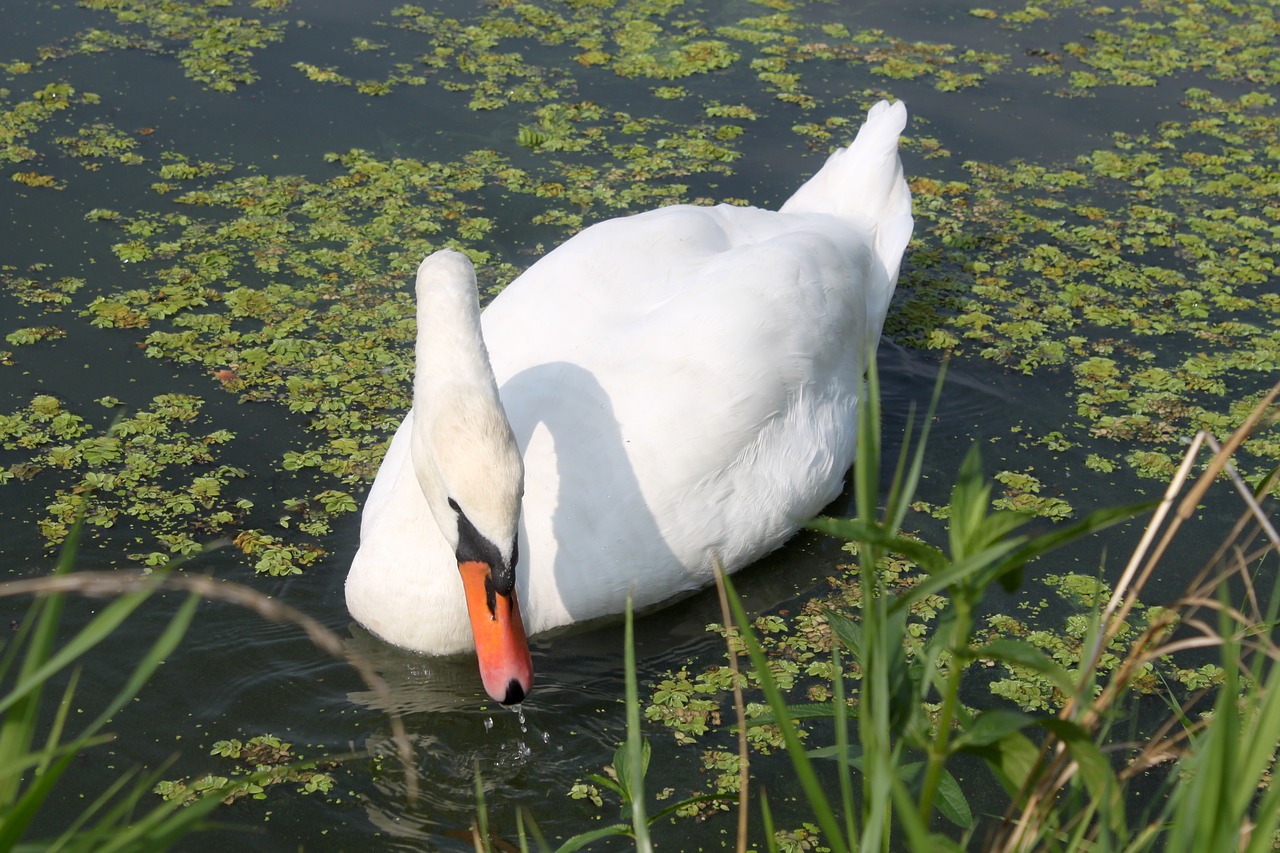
x,y
864,183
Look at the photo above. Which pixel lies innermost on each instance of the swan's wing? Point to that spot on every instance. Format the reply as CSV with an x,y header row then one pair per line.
x,y
722,349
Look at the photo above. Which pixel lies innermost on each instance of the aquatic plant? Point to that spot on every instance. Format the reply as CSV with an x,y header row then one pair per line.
x,y
896,704
286,290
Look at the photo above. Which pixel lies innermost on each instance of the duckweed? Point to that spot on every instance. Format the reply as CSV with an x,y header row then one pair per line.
x,y
255,765
1139,274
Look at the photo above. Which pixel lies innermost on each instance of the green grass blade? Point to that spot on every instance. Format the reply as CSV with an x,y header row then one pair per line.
x,y
841,709
523,816
21,707
866,472
164,825
163,646
766,817
906,477
85,639
29,688
482,810
581,840
636,755
19,815
59,722
87,814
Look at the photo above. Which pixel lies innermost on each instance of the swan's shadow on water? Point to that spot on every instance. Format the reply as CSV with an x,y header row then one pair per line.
x,y
592,494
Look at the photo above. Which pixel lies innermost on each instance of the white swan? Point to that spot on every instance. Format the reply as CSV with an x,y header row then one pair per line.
x,y
681,385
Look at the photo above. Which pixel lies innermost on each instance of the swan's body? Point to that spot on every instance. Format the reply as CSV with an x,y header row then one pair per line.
x,y
681,384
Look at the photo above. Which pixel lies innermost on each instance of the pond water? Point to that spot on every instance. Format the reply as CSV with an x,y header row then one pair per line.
x,y
156,154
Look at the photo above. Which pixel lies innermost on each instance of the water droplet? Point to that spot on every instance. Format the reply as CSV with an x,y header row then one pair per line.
x,y
518,710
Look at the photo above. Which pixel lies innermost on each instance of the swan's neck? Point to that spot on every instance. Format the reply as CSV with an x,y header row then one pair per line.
x,y
463,449
450,349
468,466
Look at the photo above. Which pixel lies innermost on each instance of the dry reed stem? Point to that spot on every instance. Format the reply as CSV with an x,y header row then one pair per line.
x,y
1040,792
121,582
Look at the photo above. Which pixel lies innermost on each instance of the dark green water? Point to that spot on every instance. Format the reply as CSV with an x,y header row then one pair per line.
x,y
238,676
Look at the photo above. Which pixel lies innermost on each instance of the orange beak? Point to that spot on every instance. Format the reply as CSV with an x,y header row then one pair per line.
x,y
501,647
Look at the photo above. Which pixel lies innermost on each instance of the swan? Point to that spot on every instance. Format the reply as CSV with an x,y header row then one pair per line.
x,y
662,391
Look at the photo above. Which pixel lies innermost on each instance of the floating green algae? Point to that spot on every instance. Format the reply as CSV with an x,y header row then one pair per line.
x,y
1139,274
1160,244
213,48
149,471
256,764
288,289
21,119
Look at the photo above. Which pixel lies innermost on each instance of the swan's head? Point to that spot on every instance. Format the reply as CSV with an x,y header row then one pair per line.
x,y
488,549
469,467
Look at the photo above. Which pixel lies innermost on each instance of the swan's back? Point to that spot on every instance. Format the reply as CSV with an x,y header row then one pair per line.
x,y
684,381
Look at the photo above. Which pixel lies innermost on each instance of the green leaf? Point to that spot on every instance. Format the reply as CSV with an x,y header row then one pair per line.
x,y
578,842
952,803
1012,760
970,497
848,632
622,766
799,711
851,755
857,530
990,727
1091,523
1095,770
636,758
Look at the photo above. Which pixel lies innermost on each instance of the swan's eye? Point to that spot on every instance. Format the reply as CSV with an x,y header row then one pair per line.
x,y
474,547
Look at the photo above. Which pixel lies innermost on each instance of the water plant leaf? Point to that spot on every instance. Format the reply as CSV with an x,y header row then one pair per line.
x,y
1022,654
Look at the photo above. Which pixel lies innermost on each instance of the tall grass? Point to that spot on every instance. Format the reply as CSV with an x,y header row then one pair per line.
x,y
37,745
124,817
1068,784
